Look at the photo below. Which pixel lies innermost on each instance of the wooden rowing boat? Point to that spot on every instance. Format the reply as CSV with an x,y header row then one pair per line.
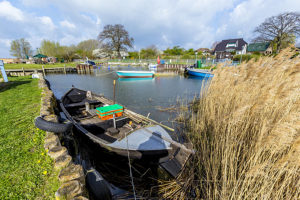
x,y
134,135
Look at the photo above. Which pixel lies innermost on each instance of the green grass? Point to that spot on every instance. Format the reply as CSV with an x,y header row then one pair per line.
x,y
38,66
26,170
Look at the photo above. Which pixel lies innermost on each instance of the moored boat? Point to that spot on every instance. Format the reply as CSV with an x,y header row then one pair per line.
x,y
135,74
199,72
152,67
126,134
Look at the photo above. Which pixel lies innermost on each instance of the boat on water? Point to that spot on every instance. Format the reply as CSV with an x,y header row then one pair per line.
x,y
89,62
152,67
198,72
135,74
126,133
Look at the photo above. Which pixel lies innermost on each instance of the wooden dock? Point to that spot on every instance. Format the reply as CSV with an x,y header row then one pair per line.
x,y
177,67
27,72
84,69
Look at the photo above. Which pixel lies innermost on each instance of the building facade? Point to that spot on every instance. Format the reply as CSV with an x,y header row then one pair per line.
x,y
226,49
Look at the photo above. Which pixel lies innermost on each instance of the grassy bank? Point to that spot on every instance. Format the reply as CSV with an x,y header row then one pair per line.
x,y
26,170
38,66
246,130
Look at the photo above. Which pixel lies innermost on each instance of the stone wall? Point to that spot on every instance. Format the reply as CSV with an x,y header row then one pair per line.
x,y
71,176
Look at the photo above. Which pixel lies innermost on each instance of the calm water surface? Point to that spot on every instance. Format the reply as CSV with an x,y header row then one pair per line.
x,y
143,96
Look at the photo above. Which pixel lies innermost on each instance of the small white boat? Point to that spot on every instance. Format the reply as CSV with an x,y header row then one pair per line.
x,y
152,67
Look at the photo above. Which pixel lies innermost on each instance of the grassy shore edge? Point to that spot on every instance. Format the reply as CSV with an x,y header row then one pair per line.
x,y
26,170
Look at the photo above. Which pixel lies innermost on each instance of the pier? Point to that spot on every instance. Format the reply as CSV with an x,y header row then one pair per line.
x,y
27,72
177,67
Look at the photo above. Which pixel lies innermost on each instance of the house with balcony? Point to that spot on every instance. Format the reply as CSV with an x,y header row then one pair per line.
x,y
226,49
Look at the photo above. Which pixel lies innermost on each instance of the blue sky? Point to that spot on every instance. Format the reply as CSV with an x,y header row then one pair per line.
x,y
164,23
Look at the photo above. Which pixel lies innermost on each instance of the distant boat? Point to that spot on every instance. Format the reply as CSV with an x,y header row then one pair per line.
x,y
135,74
152,67
89,62
198,72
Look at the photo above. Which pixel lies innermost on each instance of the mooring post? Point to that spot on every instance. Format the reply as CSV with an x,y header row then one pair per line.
x,y
114,119
43,70
23,71
65,69
114,91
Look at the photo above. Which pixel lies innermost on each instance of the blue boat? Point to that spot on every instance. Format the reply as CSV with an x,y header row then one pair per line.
x,y
135,74
198,72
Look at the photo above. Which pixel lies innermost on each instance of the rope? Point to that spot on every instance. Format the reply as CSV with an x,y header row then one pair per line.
x,y
130,171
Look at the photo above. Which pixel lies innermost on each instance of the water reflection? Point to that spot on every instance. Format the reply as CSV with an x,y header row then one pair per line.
x,y
135,79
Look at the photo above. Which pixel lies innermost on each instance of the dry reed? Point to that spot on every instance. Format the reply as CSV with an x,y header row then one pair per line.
x,y
246,131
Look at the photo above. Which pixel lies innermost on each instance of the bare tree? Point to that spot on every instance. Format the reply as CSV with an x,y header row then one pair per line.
x,y
279,29
213,46
20,48
115,38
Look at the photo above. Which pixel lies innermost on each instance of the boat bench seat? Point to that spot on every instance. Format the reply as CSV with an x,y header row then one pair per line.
x,y
81,103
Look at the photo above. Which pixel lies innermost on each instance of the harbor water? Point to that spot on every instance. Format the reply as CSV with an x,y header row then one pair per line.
x,y
154,97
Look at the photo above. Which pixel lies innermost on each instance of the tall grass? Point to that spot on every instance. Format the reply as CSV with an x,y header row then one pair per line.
x,y
246,131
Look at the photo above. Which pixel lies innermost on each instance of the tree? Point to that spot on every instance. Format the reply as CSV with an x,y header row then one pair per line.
x,y
86,47
280,29
133,55
213,46
50,48
20,48
115,38
68,52
149,52
175,51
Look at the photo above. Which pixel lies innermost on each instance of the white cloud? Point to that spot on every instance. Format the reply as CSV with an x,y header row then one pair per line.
x,y
47,21
10,12
67,24
6,42
188,23
98,22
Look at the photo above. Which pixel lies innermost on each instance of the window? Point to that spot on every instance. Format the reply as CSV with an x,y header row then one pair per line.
x,y
231,45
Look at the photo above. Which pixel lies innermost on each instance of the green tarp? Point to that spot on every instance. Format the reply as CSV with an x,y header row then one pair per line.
x,y
40,56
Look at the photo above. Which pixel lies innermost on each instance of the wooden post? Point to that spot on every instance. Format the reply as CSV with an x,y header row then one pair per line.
x,y
114,91
43,70
65,69
114,120
23,71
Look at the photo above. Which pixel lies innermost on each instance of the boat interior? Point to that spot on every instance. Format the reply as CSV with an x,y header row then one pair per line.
x,y
83,111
